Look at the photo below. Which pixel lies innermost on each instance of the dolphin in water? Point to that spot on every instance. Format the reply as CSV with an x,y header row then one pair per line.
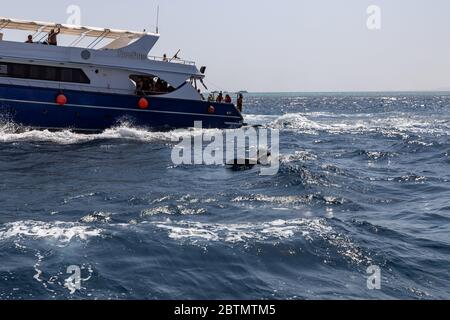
x,y
249,163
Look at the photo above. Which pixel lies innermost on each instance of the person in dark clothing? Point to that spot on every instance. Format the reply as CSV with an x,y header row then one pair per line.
x,y
30,39
140,87
219,98
240,102
53,37
228,99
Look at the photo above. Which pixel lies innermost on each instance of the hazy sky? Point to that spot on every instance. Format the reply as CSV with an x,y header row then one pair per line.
x,y
284,45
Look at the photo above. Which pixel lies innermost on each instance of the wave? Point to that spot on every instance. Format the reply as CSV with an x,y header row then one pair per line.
x,y
311,230
309,123
371,155
259,119
291,200
292,121
298,156
173,210
10,133
97,217
399,124
63,232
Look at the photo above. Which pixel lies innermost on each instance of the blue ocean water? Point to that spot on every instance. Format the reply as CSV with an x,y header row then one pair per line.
x,y
363,181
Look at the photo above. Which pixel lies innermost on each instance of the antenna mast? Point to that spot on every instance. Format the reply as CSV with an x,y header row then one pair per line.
x,y
157,20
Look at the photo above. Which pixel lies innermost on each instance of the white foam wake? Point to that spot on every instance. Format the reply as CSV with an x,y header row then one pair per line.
x,y
313,229
63,232
259,119
8,133
398,123
278,229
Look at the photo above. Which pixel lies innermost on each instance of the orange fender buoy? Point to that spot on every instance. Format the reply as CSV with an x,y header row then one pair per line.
x,y
211,109
61,99
143,103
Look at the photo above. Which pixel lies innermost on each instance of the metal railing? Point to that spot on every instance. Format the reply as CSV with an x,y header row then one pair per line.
x,y
179,61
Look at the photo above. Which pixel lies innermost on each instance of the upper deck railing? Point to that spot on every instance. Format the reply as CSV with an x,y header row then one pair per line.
x,y
173,60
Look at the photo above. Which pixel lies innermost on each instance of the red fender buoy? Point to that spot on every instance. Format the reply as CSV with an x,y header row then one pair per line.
x,y
211,109
61,99
143,103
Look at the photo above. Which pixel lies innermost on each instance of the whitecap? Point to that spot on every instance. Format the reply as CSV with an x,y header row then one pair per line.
x,y
63,232
259,119
394,124
103,217
286,200
9,133
292,121
311,229
298,156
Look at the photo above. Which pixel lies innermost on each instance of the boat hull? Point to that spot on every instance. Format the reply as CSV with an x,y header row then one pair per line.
x,y
36,107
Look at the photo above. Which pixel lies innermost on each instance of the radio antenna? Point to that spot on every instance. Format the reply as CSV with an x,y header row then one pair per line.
x,y
157,20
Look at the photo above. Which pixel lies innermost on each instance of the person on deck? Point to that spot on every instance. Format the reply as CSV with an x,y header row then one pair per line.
x,y
240,102
165,58
219,98
228,99
29,39
53,37
140,87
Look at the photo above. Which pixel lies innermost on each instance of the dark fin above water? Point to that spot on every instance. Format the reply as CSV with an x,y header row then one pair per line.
x,y
242,164
256,126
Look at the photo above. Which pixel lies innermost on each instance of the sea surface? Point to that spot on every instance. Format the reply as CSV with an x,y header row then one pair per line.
x,y
364,182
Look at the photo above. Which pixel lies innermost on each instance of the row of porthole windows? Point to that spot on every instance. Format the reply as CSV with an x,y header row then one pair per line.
x,y
39,72
144,84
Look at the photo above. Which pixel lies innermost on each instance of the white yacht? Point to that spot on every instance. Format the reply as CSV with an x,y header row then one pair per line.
x,y
93,87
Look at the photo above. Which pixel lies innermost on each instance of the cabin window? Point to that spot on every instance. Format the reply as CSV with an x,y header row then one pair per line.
x,y
35,72
79,76
3,69
66,75
150,85
18,70
48,73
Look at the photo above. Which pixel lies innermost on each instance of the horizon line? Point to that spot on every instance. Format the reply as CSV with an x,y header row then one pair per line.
x,y
359,91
